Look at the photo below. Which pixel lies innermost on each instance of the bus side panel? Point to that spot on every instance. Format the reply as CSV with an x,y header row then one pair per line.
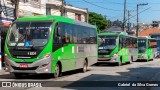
x,y
66,55
123,54
68,58
149,53
93,53
134,53
154,51
85,51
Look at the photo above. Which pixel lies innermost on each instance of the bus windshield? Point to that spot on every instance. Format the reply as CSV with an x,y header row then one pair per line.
x,y
107,42
29,33
141,43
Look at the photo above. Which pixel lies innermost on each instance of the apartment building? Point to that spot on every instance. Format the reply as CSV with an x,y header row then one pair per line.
x,y
39,7
53,7
44,7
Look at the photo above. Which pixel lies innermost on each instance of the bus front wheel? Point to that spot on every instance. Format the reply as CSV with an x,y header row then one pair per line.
x,y
120,62
57,71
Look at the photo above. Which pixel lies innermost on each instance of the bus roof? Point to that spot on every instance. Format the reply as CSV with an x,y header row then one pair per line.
x,y
132,36
113,33
56,18
145,37
155,34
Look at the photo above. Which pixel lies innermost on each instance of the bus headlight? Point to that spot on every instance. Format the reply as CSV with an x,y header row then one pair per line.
x,y
6,56
47,55
115,54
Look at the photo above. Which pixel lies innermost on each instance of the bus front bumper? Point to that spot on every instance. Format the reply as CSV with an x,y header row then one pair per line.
x,y
113,59
39,66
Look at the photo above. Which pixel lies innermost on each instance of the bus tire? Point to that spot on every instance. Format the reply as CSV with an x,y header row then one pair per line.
x,y
19,75
154,56
147,59
131,60
85,66
57,71
120,62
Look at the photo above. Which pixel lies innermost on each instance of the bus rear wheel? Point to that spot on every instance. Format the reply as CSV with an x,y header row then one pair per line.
x,y
131,60
57,71
147,59
85,66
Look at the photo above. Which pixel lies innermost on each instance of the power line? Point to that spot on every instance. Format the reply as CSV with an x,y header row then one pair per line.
x,y
100,6
140,12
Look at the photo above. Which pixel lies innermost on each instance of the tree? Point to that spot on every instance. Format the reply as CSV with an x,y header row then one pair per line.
x,y
98,20
118,23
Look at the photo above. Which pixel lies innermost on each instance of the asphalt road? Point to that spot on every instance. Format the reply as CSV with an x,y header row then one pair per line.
x,y
137,71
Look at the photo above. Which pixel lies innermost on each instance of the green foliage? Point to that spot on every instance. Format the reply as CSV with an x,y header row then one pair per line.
x,y
98,20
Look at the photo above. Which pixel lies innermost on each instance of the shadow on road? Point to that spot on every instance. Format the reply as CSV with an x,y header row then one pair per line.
x,y
40,76
133,74
108,64
143,60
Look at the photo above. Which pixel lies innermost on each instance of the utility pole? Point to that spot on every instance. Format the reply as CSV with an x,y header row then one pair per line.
x,y
129,14
128,20
137,23
63,8
16,9
124,18
137,30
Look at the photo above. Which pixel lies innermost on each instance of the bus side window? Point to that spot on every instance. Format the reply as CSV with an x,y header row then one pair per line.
x,y
79,34
58,33
70,33
74,31
92,36
120,42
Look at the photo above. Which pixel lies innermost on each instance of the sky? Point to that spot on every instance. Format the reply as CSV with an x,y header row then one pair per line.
x,y
114,9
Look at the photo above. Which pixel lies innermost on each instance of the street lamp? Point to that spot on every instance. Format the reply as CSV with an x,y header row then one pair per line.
x,y
138,17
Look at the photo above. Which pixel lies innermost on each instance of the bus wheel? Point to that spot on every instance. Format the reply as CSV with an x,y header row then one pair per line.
x,y
19,75
57,71
154,56
120,62
147,59
85,65
131,60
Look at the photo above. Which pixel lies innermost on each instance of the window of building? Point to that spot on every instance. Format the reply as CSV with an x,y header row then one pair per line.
x,y
48,11
24,1
78,16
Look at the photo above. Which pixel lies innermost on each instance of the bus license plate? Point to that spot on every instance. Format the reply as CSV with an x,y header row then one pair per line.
x,y
103,59
23,65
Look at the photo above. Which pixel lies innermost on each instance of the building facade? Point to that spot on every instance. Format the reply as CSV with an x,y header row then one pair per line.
x,y
156,24
54,7
43,7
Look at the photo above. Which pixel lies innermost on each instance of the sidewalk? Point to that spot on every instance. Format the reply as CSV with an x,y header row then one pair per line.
x,y
1,71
